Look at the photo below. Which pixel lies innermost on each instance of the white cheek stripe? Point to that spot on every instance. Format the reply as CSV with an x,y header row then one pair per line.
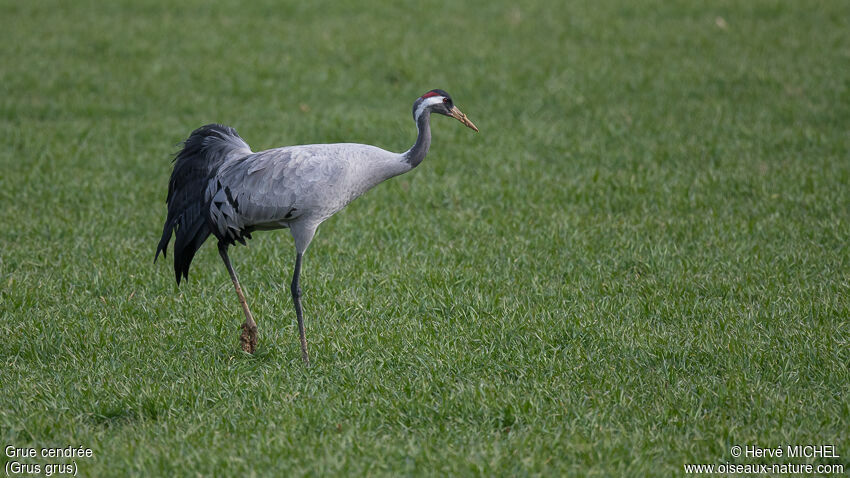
x,y
428,102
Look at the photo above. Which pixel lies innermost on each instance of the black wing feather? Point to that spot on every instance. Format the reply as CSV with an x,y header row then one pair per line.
x,y
203,153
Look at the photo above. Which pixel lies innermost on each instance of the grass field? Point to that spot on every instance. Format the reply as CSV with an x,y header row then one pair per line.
x,y
640,261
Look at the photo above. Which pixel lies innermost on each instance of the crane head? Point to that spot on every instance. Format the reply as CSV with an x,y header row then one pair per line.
x,y
438,101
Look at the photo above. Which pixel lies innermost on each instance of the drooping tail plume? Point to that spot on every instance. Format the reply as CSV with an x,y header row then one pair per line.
x,y
203,153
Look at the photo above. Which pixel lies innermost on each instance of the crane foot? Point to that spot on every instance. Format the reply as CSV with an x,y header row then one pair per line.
x,y
248,339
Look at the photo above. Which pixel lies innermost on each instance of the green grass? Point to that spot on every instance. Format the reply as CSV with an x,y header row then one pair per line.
x,y
640,261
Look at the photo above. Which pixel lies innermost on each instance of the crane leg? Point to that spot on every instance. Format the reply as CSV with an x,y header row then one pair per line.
x,y
296,299
248,339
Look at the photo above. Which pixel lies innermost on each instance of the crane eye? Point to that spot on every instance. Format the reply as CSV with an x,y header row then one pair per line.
x,y
445,100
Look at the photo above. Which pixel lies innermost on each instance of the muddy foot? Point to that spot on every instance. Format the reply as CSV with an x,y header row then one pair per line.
x,y
248,339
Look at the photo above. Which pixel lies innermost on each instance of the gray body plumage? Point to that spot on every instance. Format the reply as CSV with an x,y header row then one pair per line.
x,y
296,187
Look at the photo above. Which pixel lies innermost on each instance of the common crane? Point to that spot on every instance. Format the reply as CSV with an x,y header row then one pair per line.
x,y
220,187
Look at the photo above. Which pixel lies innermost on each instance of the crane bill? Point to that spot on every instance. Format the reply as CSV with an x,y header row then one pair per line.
x,y
458,115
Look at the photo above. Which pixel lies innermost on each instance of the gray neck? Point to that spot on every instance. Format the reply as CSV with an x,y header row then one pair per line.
x,y
417,153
